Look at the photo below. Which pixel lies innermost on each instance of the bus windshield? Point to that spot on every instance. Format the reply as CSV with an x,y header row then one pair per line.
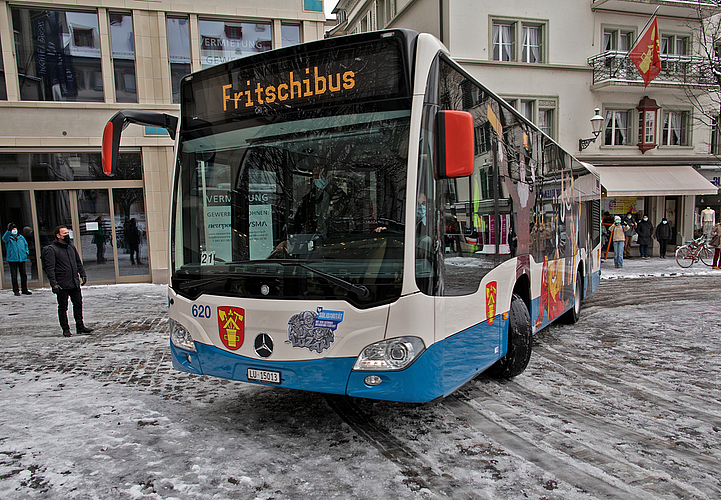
x,y
327,193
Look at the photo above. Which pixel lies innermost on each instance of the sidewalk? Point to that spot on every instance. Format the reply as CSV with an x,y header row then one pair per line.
x,y
636,267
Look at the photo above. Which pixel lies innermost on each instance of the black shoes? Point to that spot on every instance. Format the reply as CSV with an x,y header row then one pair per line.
x,y
83,329
17,294
27,292
66,333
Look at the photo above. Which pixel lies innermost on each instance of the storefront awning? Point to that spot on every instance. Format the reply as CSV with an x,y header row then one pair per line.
x,y
654,181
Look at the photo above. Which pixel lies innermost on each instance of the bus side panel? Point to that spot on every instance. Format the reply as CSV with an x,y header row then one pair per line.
x,y
329,375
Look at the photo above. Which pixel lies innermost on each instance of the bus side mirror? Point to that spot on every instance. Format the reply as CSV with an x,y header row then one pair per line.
x,y
455,144
120,120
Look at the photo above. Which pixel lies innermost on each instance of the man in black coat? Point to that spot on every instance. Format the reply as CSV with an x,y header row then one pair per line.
x,y
62,264
663,235
644,229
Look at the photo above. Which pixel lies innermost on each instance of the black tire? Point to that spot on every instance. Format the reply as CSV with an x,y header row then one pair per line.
x,y
684,256
571,316
706,256
520,340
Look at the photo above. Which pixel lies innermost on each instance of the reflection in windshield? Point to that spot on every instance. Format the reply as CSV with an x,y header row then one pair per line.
x,y
330,190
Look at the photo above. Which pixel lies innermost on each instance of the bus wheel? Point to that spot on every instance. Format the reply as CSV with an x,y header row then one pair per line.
x,y
520,339
572,315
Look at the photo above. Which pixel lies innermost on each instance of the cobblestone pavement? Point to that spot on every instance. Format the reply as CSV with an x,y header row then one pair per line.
x,y
624,404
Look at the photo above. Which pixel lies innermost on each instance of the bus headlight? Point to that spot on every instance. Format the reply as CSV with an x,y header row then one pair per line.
x,y
392,354
180,336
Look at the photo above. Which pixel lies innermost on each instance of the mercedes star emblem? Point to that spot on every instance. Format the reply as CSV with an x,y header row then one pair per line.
x,y
265,289
263,345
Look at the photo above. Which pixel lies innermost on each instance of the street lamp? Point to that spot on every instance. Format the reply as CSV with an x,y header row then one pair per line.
x,y
596,123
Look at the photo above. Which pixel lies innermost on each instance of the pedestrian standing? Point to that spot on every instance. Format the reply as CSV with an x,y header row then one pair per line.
x,y
618,238
663,235
644,229
631,223
17,253
716,243
62,264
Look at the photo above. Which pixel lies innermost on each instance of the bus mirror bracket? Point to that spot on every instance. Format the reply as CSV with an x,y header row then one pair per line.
x,y
120,120
455,144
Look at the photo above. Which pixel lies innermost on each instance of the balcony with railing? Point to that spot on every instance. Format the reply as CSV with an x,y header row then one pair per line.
x,y
615,68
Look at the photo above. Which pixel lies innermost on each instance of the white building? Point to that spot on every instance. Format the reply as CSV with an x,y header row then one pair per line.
x,y
557,61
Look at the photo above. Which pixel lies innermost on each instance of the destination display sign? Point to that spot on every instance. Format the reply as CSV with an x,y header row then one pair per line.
x,y
263,85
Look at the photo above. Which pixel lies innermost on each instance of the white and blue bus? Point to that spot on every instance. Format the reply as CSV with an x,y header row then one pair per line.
x,y
360,216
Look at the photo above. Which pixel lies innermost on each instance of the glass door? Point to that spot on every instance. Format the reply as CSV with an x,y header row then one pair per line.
x,y
130,232
95,233
53,209
15,207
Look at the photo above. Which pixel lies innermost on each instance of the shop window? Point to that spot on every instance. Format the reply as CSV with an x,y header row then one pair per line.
x,y
3,91
32,167
222,42
178,53
290,34
52,48
121,40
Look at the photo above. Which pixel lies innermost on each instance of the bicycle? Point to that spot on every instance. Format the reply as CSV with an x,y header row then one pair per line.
x,y
693,251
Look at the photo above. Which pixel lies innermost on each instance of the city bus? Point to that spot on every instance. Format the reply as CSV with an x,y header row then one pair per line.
x,y
360,216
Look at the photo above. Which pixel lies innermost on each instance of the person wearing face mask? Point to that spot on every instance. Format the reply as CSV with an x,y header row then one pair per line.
x,y
631,223
619,239
17,253
62,265
644,229
663,235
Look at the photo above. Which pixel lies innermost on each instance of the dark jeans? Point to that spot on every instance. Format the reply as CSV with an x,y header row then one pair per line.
x,y
662,250
77,299
14,267
644,250
134,251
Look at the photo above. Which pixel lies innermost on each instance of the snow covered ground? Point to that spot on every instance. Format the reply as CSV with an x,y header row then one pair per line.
x,y
624,404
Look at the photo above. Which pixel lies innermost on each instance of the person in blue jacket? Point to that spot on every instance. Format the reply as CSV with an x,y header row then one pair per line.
x,y
17,254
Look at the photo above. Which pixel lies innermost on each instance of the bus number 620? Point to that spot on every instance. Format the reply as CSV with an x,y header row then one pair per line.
x,y
201,311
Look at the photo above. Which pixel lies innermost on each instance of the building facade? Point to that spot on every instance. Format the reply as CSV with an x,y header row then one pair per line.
x,y
558,61
65,69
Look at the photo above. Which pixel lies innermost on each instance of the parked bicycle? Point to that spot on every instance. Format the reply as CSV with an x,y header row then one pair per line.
x,y
693,251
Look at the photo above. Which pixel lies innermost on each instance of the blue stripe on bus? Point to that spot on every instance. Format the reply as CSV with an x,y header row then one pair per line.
x,y
438,371
321,375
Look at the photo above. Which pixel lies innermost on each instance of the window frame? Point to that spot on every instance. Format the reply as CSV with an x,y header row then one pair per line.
x,y
538,104
685,130
517,26
616,33
631,125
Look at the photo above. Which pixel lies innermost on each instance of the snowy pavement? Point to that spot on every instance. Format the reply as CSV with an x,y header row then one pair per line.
x,y
624,404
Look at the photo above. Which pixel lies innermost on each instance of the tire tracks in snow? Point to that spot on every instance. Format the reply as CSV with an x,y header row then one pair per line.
x,y
419,474
619,463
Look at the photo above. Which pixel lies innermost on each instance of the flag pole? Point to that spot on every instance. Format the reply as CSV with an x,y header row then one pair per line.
x,y
640,33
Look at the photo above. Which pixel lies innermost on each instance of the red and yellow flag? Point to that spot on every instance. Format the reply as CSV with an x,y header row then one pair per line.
x,y
646,54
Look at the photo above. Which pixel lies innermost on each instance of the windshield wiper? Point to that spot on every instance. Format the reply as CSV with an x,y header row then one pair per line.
x,y
360,290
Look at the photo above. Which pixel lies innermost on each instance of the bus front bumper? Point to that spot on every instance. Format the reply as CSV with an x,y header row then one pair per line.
x,y
416,384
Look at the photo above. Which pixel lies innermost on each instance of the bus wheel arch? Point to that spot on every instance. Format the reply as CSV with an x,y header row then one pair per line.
x,y
520,341
574,313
